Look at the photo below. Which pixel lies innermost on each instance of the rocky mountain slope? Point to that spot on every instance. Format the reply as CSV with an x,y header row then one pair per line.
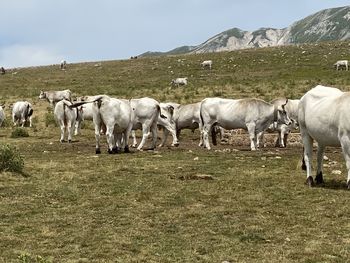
x,y
326,25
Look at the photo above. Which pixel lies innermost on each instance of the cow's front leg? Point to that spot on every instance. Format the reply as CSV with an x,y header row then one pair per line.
x,y
252,135
320,153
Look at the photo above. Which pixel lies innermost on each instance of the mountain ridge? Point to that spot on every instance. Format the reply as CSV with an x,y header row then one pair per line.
x,y
325,25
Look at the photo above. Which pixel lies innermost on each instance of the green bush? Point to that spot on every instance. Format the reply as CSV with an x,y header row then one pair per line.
x,y
19,132
10,159
50,119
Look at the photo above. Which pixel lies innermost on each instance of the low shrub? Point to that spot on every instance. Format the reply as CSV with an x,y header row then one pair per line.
x,y
10,159
19,132
50,119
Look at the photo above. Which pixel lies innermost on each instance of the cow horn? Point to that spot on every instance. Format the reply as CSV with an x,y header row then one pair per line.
x,y
283,105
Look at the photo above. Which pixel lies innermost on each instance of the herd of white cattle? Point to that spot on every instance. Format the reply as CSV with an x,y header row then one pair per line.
x,y
321,114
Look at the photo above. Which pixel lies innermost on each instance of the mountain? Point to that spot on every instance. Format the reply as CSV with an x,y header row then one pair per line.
x,y
326,25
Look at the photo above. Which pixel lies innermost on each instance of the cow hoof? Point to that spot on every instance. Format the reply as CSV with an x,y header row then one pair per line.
x,y
310,181
175,144
126,150
98,151
61,141
115,150
69,141
348,185
303,167
319,179
110,151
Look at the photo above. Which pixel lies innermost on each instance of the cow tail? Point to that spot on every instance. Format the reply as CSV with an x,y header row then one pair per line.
x,y
64,114
160,112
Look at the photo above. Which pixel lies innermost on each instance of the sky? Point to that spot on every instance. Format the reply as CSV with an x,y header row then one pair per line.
x,y
44,32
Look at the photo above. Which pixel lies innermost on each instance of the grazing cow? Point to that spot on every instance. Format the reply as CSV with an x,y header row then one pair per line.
x,y
324,117
63,64
179,82
87,112
115,115
207,64
2,70
54,96
66,118
22,112
145,113
255,115
341,63
2,114
185,117
283,129
168,124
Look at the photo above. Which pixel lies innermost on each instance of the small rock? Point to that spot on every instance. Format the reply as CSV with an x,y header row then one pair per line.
x,y
326,165
287,239
278,157
190,151
336,172
263,158
195,158
263,166
325,158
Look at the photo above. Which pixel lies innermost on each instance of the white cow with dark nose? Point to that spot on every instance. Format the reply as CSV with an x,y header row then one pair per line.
x,y
254,115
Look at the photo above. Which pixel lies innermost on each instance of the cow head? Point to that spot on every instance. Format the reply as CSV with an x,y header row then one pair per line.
x,y
42,95
282,115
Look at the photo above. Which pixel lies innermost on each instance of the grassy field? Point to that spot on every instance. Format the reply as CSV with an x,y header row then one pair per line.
x,y
71,205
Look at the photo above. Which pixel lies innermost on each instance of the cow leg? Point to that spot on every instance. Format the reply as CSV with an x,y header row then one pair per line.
x,y
145,134
62,131
205,135
165,137
345,145
70,130
97,134
200,127
154,134
260,140
252,135
308,141
285,139
110,138
319,175
133,136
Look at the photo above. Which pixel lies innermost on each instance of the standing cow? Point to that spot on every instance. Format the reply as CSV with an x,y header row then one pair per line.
x,y
22,112
2,114
66,118
54,96
341,63
207,64
324,117
255,115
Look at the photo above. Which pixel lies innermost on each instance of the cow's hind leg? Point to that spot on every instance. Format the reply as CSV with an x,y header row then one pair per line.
x,y
145,134
308,141
345,144
319,175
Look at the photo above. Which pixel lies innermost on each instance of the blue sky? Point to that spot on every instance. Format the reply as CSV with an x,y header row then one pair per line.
x,y
42,32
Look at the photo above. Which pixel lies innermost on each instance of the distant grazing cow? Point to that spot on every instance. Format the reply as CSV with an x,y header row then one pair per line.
x,y
341,63
86,110
145,113
324,117
2,114
63,64
207,64
252,114
66,118
22,112
179,82
2,70
185,117
115,116
54,96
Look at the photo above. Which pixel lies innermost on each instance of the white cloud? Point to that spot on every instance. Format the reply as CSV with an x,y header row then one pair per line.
x,y
28,55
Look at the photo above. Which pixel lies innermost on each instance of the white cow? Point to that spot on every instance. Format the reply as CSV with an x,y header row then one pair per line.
x,y
179,81
116,116
207,64
54,96
324,117
145,113
2,114
341,63
66,118
283,129
185,117
255,115
22,112
87,112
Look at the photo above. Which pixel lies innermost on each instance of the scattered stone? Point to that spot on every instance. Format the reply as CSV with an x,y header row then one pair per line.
x,y
196,158
325,158
263,166
278,157
190,151
287,239
263,158
326,165
333,163
336,172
